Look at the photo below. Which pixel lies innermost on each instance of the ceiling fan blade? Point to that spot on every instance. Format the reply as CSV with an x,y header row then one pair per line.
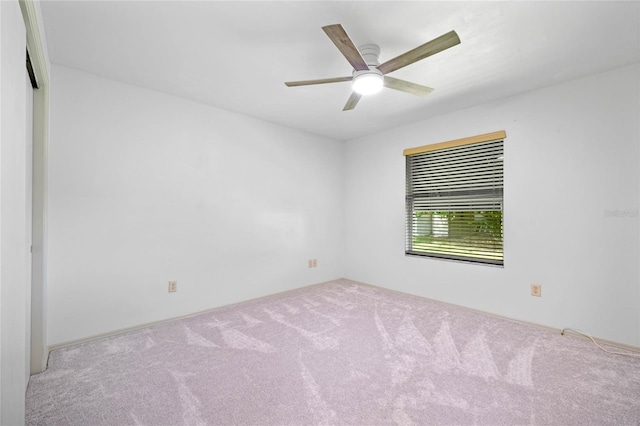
x,y
339,37
352,102
406,86
320,81
432,47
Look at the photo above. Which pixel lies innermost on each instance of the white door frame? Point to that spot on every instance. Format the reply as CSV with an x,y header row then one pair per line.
x,y
39,348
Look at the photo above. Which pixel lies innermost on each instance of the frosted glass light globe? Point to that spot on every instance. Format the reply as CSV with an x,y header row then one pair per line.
x,y
368,82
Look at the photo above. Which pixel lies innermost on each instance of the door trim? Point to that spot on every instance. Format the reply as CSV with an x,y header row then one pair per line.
x,y
36,46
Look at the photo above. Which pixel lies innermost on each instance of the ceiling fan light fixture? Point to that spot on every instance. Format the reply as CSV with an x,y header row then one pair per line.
x,y
367,82
369,75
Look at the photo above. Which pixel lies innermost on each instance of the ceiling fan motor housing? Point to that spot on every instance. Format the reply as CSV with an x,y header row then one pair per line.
x,y
370,54
368,82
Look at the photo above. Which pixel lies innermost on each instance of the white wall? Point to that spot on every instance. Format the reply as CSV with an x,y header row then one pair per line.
x,y
145,188
14,300
571,153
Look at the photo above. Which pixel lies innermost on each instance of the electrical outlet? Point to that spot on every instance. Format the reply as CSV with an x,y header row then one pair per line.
x,y
536,290
310,263
315,262
173,286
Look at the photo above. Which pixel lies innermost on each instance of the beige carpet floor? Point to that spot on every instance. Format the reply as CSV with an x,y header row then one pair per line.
x,y
338,353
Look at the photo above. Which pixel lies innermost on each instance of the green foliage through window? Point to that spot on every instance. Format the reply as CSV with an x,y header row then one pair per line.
x,y
466,233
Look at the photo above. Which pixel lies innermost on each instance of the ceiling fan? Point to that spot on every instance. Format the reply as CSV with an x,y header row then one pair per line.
x,y
369,76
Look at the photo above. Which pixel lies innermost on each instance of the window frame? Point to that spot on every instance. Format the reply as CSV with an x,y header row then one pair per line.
x,y
478,199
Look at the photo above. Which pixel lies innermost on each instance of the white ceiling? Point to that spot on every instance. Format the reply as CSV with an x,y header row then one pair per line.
x,y
236,55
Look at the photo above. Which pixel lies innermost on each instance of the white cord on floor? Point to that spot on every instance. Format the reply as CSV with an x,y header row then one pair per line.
x,y
598,345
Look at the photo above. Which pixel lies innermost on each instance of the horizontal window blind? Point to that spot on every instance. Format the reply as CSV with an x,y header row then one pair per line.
x,y
454,200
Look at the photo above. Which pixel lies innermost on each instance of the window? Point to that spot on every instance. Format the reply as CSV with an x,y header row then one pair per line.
x,y
454,199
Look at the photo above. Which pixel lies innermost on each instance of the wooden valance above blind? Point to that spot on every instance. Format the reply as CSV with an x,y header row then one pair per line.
x,y
501,134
